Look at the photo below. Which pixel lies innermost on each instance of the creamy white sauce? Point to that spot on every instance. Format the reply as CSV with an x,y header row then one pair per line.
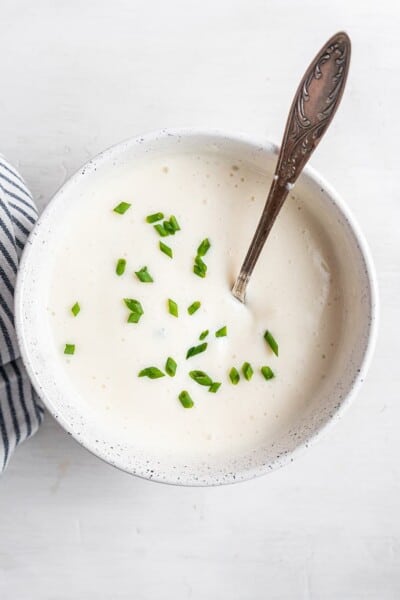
x,y
293,293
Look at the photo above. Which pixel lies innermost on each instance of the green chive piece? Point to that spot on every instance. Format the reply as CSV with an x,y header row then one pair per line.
x,y
173,221
199,272
185,399
170,366
154,217
196,350
204,247
199,267
234,376
201,378
203,334
267,372
214,387
151,373
166,249
269,338
222,332
120,268
76,309
247,371
193,307
133,305
144,276
168,228
121,208
172,308
136,310
69,349
160,230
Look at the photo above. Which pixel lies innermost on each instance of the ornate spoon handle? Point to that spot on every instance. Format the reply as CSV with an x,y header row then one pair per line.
x,y
312,110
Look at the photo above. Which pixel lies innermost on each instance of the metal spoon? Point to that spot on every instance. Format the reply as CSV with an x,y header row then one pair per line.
x,y
312,110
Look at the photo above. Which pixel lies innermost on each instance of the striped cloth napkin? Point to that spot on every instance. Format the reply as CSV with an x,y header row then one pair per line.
x,y
20,411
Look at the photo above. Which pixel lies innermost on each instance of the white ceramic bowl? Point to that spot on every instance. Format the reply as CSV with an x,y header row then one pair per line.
x,y
357,337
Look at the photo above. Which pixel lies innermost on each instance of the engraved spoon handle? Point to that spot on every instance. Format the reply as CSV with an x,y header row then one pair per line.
x,y
312,110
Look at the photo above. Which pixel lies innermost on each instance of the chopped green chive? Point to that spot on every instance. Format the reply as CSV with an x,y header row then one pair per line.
x,y
69,349
222,332
173,221
185,399
151,372
204,247
203,334
154,217
234,376
267,372
199,272
199,267
193,307
169,228
201,378
196,350
171,225
160,230
144,276
76,309
269,338
122,207
170,366
166,249
172,308
214,387
133,305
247,371
120,268
136,310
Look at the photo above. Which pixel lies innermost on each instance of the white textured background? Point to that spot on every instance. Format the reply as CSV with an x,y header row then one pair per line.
x,y
79,76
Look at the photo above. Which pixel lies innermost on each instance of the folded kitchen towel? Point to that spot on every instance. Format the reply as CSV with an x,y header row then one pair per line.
x,y
20,410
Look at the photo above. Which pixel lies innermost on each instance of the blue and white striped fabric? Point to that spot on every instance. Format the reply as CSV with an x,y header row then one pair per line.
x,y
20,410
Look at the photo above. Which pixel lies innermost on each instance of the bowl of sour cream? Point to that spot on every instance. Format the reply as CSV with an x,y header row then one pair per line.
x,y
131,335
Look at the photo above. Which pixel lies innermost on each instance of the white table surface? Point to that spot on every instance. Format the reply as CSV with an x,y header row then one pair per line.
x,y
79,76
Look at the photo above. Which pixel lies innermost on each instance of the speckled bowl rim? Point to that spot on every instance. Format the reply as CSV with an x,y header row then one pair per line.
x,y
362,367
